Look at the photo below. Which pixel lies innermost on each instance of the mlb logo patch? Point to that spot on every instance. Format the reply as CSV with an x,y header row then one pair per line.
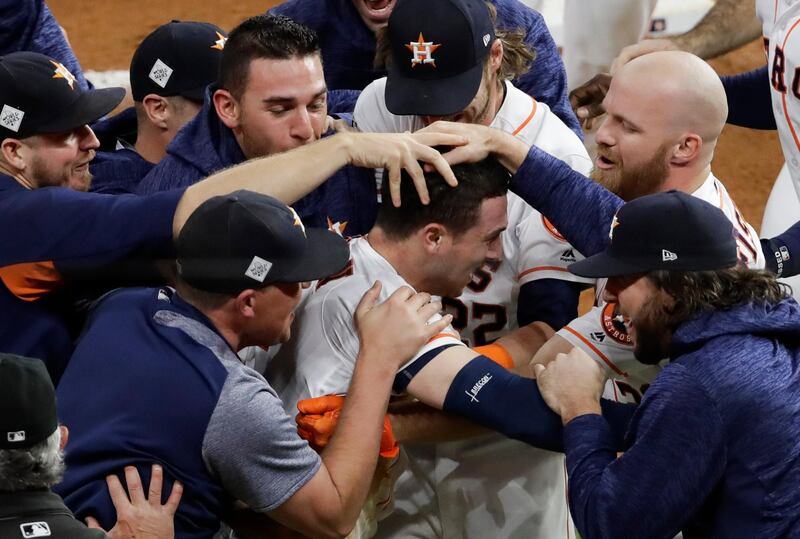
x,y
16,436
160,73
11,118
258,269
34,529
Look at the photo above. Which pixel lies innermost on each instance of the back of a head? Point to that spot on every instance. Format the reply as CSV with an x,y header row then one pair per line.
x,y
457,208
690,90
263,36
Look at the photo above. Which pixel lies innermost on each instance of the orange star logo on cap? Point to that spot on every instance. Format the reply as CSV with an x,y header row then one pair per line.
x,y
297,221
422,51
337,227
219,44
614,224
62,72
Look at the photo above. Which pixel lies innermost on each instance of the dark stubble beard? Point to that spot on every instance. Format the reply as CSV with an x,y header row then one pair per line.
x,y
631,183
654,329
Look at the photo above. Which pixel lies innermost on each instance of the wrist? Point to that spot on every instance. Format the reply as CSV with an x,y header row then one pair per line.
x,y
579,408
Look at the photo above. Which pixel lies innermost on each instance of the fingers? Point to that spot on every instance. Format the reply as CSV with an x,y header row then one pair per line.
x,y
134,483
156,481
320,405
418,177
419,300
118,496
430,309
91,522
402,294
435,160
440,134
538,369
434,328
174,497
368,300
394,185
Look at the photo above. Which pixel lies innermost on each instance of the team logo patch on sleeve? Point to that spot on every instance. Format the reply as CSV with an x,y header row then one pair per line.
x,y
614,324
552,230
422,51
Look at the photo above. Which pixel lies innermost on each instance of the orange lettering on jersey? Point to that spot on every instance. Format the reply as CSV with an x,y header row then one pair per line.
x,y
32,280
614,324
552,230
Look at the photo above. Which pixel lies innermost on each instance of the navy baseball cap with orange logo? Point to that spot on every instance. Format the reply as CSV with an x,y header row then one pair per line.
x,y
248,240
664,231
438,52
178,58
39,95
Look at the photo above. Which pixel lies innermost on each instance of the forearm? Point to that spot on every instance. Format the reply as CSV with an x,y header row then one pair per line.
x,y
415,422
782,252
523,343
352,453
750,99
288,176
727,25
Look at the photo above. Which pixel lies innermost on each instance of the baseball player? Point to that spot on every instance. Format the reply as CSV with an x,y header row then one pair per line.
x,y
529,282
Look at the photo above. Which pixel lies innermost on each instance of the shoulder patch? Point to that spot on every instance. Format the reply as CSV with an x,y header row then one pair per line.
x,y
614,324
34,529
552,230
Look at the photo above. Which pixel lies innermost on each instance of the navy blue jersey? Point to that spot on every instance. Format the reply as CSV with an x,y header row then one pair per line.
x,y
205,146
51,233
348,49
152,381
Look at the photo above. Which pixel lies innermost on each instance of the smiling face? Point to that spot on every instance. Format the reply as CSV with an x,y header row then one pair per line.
x,y
461,256
374,13
643,306
60,159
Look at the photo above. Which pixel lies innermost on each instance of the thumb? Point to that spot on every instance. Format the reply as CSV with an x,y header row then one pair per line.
x,y
538,369
92,523
369,299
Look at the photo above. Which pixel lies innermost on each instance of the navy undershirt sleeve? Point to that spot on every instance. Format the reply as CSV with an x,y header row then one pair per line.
x,y
749,99
782,252
552,301
581,209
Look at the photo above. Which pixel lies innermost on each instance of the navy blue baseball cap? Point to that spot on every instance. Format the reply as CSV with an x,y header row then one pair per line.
x,y
28,402
664,231
40,95
438,52
178,58
248,240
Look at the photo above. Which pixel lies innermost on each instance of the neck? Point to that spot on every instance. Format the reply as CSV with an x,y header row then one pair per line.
x,y
17,175
400,254
687,180
224,326
151,142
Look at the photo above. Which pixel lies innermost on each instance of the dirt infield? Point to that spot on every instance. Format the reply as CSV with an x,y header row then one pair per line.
x,y
105,34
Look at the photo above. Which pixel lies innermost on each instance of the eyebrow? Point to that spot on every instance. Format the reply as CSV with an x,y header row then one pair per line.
x,y
621,118
496,232
280,100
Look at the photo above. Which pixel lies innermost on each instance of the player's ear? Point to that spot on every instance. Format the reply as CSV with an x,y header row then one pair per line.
x,y
155,107
433,237
687,150
245,303
13,153
227,108
496,56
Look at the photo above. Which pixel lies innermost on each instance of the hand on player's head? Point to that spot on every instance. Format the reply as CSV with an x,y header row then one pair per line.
x,y
587,100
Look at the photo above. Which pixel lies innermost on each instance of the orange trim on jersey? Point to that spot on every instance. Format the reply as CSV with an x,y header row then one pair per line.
x,y
598,352
541,268
32,280
527,120
441,336
783,95
497,353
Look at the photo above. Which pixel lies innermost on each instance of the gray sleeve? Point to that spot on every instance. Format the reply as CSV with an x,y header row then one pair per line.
x,y
251,446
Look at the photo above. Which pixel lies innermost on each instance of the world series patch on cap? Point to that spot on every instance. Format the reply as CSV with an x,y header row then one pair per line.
x,y
27,402
438,52
664,231
40,95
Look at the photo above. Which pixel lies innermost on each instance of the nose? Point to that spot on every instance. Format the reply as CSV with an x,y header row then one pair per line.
x,y
604,133
301,127
611,291
495,251
87,138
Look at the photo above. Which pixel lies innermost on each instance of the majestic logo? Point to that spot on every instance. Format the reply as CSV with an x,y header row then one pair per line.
x,y
422,51
258,269
337,227
568,256
16,436
614,224
11,118
614,324
473,393
668,256
598,336
219,44
62,72
552,230
160,73
34,529
297,221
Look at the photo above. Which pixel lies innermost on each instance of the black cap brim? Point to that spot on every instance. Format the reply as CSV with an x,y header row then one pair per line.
x,y
407,96
89,107
604,265
326,253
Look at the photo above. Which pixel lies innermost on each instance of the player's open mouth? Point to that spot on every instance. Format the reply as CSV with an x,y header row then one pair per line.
x,y
603,162
379,10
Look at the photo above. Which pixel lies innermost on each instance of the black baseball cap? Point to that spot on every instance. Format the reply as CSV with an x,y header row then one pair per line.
x,y
664,231
249,240
27,402
438,51
40,95
177,58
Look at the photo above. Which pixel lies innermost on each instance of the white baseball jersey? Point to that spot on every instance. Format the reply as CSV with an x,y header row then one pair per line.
x,y
601,332
492,486
780,20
